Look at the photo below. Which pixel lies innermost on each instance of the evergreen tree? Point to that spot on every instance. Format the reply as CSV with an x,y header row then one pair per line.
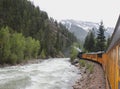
x,y
108,41
100,40
24,18
86,43
89,43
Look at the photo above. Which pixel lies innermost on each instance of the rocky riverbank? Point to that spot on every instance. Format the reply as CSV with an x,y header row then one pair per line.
x,y
92,76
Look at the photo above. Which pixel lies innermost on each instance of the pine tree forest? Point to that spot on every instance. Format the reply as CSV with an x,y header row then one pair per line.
x,y
27,32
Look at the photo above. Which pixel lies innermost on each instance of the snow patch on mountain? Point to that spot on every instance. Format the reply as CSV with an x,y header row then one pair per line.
x,y
81,28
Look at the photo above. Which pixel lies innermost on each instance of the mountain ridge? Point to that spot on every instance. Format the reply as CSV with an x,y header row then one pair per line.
x,y
81,28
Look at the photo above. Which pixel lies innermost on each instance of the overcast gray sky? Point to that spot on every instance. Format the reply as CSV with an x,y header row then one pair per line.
x,y
86,10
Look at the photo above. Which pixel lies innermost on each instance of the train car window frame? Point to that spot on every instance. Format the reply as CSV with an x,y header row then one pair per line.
x,y
99,55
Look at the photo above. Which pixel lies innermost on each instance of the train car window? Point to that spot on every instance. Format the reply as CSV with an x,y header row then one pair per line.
x,y
99,55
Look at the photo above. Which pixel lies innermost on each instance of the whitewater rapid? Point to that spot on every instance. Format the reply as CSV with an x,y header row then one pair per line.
x,y
57,73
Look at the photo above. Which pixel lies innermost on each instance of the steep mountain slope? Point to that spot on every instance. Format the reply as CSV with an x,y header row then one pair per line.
x,y
81,28
22,16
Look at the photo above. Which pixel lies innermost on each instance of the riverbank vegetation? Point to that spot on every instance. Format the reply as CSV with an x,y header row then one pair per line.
x,y
15,48
74,52
88,66
27,32
92,76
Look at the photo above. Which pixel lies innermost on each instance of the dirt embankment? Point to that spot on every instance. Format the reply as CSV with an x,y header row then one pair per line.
x,y
92,76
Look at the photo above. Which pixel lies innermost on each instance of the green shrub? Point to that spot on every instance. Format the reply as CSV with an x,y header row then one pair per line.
x,y
18,46
90,67
43,54
13,59
82,63
73,54
4,44
14,47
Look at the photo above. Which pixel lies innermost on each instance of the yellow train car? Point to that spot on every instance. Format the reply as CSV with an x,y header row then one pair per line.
x,y
113,57
110,60
94,56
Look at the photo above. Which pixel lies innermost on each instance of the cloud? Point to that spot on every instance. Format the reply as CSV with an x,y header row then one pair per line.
x,y
90,10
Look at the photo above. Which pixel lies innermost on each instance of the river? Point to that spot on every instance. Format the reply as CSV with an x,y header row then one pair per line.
x,y
55,73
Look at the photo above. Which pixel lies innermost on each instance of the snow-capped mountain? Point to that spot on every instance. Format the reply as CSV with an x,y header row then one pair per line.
x,y
81,28
110,30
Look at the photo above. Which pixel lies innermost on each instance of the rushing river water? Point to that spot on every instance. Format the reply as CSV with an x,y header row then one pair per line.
x,y
49,74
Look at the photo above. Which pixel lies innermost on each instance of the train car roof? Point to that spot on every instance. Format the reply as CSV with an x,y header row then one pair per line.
x,y
115,36
100,52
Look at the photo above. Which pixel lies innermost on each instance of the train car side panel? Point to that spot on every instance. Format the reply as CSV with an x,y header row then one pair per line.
x,y
118,68
104,61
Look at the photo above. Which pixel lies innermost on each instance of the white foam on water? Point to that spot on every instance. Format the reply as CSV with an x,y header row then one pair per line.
x,y
55,73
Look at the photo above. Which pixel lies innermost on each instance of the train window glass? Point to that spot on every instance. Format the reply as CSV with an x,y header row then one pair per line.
x,y
100,55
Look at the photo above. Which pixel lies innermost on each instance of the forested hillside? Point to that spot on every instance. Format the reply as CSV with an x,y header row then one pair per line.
x,y
27,22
